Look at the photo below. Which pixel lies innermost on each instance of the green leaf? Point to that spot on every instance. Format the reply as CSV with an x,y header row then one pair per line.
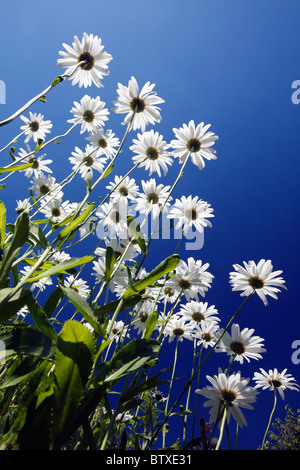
x,y
169,264
111,307
150,324
74,361
38,145
83,307
56,81
76,222
40,318
21,167
110,259
2,223
52,302
36,236
128,359
8,308
19,239
62,267
26,340
135,231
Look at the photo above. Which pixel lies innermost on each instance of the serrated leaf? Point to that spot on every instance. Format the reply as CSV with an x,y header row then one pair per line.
x,y
76,222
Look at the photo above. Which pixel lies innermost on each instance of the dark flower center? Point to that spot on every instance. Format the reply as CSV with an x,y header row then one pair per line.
x,y
169,291
143,316
102,143
44,189
193,145
88,116
198,316
275,382
138,104
256,282
237,347
178,331
206,337
184,284
34,126
123,191
34,161
152,153
116,217
89,60
88,160
228,396
152,197
55,212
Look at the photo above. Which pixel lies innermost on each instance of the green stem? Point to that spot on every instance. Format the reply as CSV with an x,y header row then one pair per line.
x,y
170,388
270,419
222,428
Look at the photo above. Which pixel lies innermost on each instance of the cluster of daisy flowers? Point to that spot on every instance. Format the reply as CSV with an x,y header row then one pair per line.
x,y
189,317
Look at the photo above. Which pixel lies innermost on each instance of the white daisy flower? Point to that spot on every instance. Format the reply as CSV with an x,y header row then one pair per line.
x,y
90,50
274,379
119,331
241,344
119,247
100,270
40,283
35,127
123,188
105,142
87,161
199,312
56,210
113,218
39,164
151,152
45,184
59,257
261,278
191,212
141,314
79,285
231,391
123,282
207,333
190,279
144,102
23,205
154,197
90,112
194,141
178,328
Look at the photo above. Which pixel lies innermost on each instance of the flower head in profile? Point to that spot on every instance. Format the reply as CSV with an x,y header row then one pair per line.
x,y
206,333
191,212
79,285
94,61
231,391
90,112
257,277
154,198
241,344
151,152
87,161
195,141
143,103
35,127
275,380
105,142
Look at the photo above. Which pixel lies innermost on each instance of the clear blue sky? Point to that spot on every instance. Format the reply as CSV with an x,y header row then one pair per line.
x,y
229,63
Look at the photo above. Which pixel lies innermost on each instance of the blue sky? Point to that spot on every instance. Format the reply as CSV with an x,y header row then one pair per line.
x,y
230,64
